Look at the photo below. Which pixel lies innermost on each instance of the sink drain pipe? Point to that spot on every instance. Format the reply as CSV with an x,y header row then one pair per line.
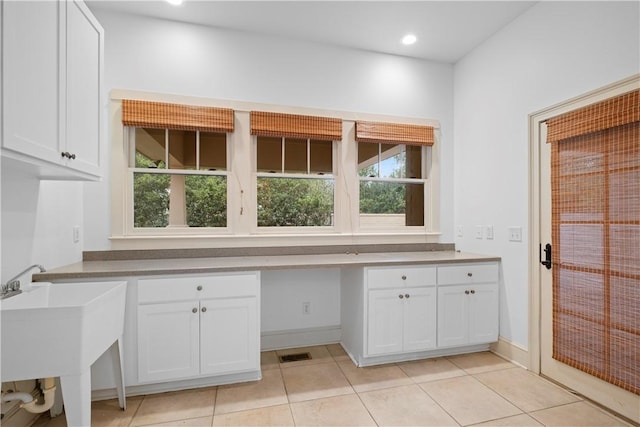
x,y
48,388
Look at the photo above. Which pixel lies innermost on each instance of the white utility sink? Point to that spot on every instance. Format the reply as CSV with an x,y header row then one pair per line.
x,y
59,330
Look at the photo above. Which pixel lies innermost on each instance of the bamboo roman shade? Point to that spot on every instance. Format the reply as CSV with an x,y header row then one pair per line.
x,y
160,115
295,126
394,133
603,115
595,191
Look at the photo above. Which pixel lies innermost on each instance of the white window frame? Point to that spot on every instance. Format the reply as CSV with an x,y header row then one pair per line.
x,y
129,144
242,227
425,172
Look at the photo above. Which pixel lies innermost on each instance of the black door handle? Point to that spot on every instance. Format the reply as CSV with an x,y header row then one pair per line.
x,y
547,256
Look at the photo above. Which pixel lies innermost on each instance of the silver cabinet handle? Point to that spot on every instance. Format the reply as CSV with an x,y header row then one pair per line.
x,y
466,292
204,309
404,277
194,310
407,296
199,287
400,296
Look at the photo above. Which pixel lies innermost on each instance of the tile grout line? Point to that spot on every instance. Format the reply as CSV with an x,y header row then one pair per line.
x,y
133,417
286,392
438,403
215,401
413,382
367,408
580,398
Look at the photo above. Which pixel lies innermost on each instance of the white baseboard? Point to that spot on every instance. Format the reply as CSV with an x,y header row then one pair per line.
x,y
278,340
406,357
512,352
145,389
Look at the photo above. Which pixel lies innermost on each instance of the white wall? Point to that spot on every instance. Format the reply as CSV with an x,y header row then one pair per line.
x,y
37,222
553,52
176,58
284,292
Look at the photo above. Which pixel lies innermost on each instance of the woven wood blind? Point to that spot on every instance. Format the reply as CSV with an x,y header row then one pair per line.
x,y
603,115
295,126
595,184
160,115
394,133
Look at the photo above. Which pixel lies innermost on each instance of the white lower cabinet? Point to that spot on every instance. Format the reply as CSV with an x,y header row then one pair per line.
x,y
388,311
468,304
168,341
214,331
416,311
228,336
467,315
401,320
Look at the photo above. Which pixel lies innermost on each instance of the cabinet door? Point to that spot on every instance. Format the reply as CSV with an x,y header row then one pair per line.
x,y
168,341
31,77
419,319
83,86
453,318
229,335
483,314
385,317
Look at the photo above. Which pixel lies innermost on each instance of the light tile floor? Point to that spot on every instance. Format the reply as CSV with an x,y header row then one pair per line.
x,y
328,390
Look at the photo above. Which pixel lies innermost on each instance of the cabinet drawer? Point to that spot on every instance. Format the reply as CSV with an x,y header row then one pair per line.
x,y
468,273
192,288
399,277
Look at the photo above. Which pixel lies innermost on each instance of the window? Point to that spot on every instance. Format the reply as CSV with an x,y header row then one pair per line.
x,y
391,174
295,184
179,178
183,175
177,165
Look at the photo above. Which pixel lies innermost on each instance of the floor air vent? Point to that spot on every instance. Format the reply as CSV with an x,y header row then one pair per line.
x,y
294,357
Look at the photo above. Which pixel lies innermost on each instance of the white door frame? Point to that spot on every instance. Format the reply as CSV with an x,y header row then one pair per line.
x,y
535,195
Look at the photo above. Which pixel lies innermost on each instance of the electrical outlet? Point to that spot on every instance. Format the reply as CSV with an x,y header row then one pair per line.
x,y
479,232
306,308
459,231
515,234
488,232
76,234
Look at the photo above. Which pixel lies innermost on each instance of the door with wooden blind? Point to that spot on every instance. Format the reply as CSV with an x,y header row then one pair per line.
x,y
590,217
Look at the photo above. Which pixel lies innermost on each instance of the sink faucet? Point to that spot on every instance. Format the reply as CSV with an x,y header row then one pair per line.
x,y
13,285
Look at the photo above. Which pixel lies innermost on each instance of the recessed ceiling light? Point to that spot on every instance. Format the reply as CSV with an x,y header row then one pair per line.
x,y
409,39
175,2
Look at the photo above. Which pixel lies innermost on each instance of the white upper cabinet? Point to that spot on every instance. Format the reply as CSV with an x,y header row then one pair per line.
x,y
52,62
83,87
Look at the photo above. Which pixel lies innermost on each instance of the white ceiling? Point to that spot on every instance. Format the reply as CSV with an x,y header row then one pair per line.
x,y
446,30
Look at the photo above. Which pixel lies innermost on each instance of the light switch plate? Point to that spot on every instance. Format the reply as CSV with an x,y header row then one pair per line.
x,y
488,232
479,232
515,234
460,231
